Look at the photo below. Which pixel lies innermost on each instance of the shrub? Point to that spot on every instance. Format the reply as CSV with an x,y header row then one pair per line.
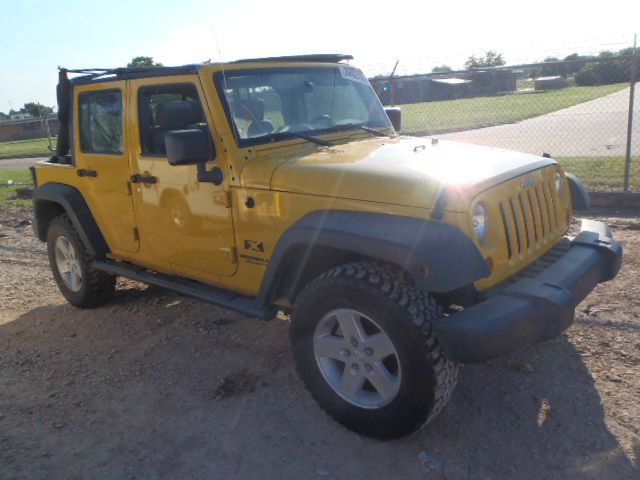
x,y
553,70
603,73
586,76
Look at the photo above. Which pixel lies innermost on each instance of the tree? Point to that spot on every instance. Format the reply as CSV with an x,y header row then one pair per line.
x,y
36,110
4,116
442,69
574,66
490,59
587,75
143,62
626,51
472,62
553,70
604,69
606,54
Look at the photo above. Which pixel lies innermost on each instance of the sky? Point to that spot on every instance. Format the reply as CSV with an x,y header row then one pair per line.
x,y
39,35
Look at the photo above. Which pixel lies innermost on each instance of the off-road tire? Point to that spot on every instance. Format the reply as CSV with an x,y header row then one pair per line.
x,y
406,315
96,287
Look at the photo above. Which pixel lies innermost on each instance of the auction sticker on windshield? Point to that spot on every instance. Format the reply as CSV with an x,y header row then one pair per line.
x,y
353,74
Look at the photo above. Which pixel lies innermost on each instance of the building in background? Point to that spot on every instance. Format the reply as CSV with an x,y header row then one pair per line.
x,y
27,128
19,115
429,87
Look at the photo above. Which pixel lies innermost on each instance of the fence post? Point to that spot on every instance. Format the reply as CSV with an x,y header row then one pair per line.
x,y
627,164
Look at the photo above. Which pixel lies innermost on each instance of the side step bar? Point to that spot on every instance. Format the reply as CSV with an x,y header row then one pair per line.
x,y
189,288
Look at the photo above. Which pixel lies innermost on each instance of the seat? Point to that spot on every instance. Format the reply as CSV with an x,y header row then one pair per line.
x,y
254,111
177,115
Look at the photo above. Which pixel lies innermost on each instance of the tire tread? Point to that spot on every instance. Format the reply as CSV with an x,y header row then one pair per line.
x,y
422,309
100,286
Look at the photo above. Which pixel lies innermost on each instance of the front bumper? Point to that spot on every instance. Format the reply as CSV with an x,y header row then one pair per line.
x,y
535,308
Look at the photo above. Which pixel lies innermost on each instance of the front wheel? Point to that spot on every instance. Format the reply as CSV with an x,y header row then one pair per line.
x,y
365,348
81,284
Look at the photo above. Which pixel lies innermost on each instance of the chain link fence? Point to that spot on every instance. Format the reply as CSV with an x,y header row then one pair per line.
x,y
583,112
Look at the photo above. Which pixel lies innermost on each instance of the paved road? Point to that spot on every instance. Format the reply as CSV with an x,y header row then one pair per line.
x,y
19,162
594,128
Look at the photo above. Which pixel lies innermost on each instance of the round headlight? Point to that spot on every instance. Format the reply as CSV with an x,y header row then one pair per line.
x,y
559,182
479,221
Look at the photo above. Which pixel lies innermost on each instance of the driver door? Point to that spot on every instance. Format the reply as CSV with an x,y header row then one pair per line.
x,y
184,224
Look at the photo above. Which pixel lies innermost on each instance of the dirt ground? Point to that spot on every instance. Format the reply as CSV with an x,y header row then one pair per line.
x,y
157,386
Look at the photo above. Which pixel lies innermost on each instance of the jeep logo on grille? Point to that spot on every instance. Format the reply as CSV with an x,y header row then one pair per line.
x,y
528,182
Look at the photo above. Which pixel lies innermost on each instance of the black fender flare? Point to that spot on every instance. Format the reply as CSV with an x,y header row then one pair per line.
x,y
579,194
438,256
75,206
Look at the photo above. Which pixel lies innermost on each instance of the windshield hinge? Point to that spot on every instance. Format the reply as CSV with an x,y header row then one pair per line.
x,y
222,198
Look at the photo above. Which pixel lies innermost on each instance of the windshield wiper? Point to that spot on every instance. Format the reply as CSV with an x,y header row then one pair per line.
x,y
317,141
364,128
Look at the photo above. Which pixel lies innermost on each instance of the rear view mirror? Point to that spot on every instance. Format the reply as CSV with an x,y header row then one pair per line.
x,y
188,147
395,117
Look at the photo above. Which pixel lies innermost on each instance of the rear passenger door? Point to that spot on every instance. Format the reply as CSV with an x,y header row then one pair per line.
x,y
184,223
102,163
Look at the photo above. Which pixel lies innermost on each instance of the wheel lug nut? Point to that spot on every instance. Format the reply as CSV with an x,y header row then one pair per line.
x,y
346,353
368,367
354,342
368,351
354,368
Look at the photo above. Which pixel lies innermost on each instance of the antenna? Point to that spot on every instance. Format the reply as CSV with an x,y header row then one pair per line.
x,y
224,80
215,39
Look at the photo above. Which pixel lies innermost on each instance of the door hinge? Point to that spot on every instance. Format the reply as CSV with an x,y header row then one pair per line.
x,y
136,235
222,198
229,253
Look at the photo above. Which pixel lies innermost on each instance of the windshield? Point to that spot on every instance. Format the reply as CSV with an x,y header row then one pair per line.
x,y
263,105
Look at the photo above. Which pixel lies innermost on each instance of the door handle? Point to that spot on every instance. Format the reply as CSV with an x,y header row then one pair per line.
x,y
137,178
82,172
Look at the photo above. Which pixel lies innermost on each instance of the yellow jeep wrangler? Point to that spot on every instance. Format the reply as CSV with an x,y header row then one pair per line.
x,y
281,184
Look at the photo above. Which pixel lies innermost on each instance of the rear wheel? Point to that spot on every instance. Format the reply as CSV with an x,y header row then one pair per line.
x,y
81,284
365,348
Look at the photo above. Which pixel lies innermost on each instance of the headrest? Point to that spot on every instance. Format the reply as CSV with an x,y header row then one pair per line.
x,y
253,110
178,114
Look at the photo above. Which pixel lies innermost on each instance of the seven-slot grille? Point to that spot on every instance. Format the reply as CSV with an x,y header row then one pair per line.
x,y
531,217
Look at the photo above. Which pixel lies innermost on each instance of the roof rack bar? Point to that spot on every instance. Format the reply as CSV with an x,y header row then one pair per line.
x,y
89,75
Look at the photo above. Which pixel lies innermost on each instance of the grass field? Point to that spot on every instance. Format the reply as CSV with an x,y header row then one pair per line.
x,y
602,173
8,192
38,147
468,113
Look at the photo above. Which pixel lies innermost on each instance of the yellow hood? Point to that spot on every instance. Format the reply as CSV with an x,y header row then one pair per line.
x,y
402,170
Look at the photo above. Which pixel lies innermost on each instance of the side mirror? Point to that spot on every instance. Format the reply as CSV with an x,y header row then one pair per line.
x,y
395,116
188,147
